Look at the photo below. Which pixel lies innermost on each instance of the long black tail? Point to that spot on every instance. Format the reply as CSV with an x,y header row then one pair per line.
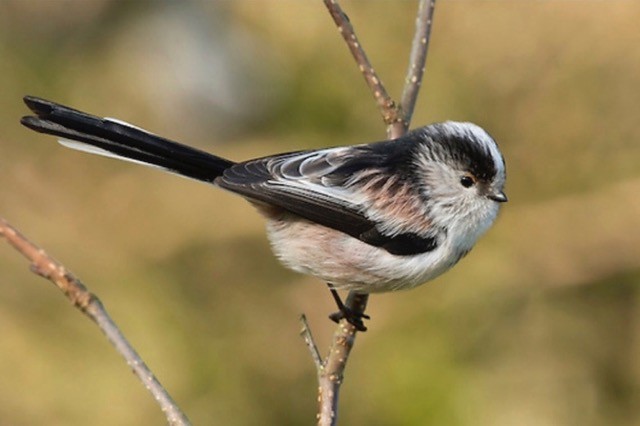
x,y
117,139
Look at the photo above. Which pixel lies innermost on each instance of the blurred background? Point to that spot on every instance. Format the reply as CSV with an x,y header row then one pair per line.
x,y
539,325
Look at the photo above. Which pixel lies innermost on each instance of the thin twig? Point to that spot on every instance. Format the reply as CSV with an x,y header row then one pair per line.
x,y
397,117
388,107
311,343
417,60
44,265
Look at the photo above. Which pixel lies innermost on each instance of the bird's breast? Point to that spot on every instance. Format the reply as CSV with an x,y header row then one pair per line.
x,y
349,263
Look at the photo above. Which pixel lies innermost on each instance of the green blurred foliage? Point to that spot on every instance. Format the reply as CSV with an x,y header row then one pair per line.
x,y
538,326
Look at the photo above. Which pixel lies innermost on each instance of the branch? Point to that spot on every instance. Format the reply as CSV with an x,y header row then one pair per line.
x,y
417,60
331,370
44,265
388,108
311,343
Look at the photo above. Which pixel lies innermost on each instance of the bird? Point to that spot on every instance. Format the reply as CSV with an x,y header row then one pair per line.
x,y
368,218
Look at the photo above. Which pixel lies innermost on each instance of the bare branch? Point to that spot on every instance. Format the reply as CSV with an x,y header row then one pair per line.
x,y
332,374
397,117
44,265
388,107
417,59
311,344
331,377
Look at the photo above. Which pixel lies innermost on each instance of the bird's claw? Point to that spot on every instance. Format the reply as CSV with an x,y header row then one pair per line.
x,y
353,317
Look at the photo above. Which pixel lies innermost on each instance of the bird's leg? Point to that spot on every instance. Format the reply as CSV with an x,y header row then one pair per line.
x,y
354,318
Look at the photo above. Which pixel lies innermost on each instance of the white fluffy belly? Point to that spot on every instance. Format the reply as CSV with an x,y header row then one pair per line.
x,y
350,264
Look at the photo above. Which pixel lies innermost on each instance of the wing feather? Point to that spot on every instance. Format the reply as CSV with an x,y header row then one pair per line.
x,y
333,187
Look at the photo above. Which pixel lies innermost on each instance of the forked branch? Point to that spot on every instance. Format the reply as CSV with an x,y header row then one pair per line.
x,y
397,117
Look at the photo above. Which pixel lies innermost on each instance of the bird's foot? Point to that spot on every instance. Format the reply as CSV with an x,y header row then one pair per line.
x,y
353,317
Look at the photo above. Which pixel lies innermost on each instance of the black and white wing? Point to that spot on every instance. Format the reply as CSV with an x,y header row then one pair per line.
x,y
365,191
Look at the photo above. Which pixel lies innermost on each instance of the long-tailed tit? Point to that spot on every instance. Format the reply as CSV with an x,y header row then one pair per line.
x,y
369,218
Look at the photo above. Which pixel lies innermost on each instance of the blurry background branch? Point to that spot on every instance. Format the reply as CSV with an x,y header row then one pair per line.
x,y
44,265
331,369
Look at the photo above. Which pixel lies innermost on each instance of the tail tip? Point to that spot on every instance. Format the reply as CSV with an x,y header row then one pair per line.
x,y
38,105
28,121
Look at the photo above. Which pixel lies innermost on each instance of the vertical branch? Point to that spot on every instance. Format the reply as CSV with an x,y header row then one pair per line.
x,y
330,370
333,375
417,60
44,265
397,118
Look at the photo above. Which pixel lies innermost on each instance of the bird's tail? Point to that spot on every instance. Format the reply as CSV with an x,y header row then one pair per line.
x,y
112,138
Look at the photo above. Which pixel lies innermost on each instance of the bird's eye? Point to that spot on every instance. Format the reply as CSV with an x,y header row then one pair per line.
x,y
467,181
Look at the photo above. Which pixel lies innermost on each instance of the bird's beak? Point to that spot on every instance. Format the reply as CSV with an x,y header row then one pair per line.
x,y
499,197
